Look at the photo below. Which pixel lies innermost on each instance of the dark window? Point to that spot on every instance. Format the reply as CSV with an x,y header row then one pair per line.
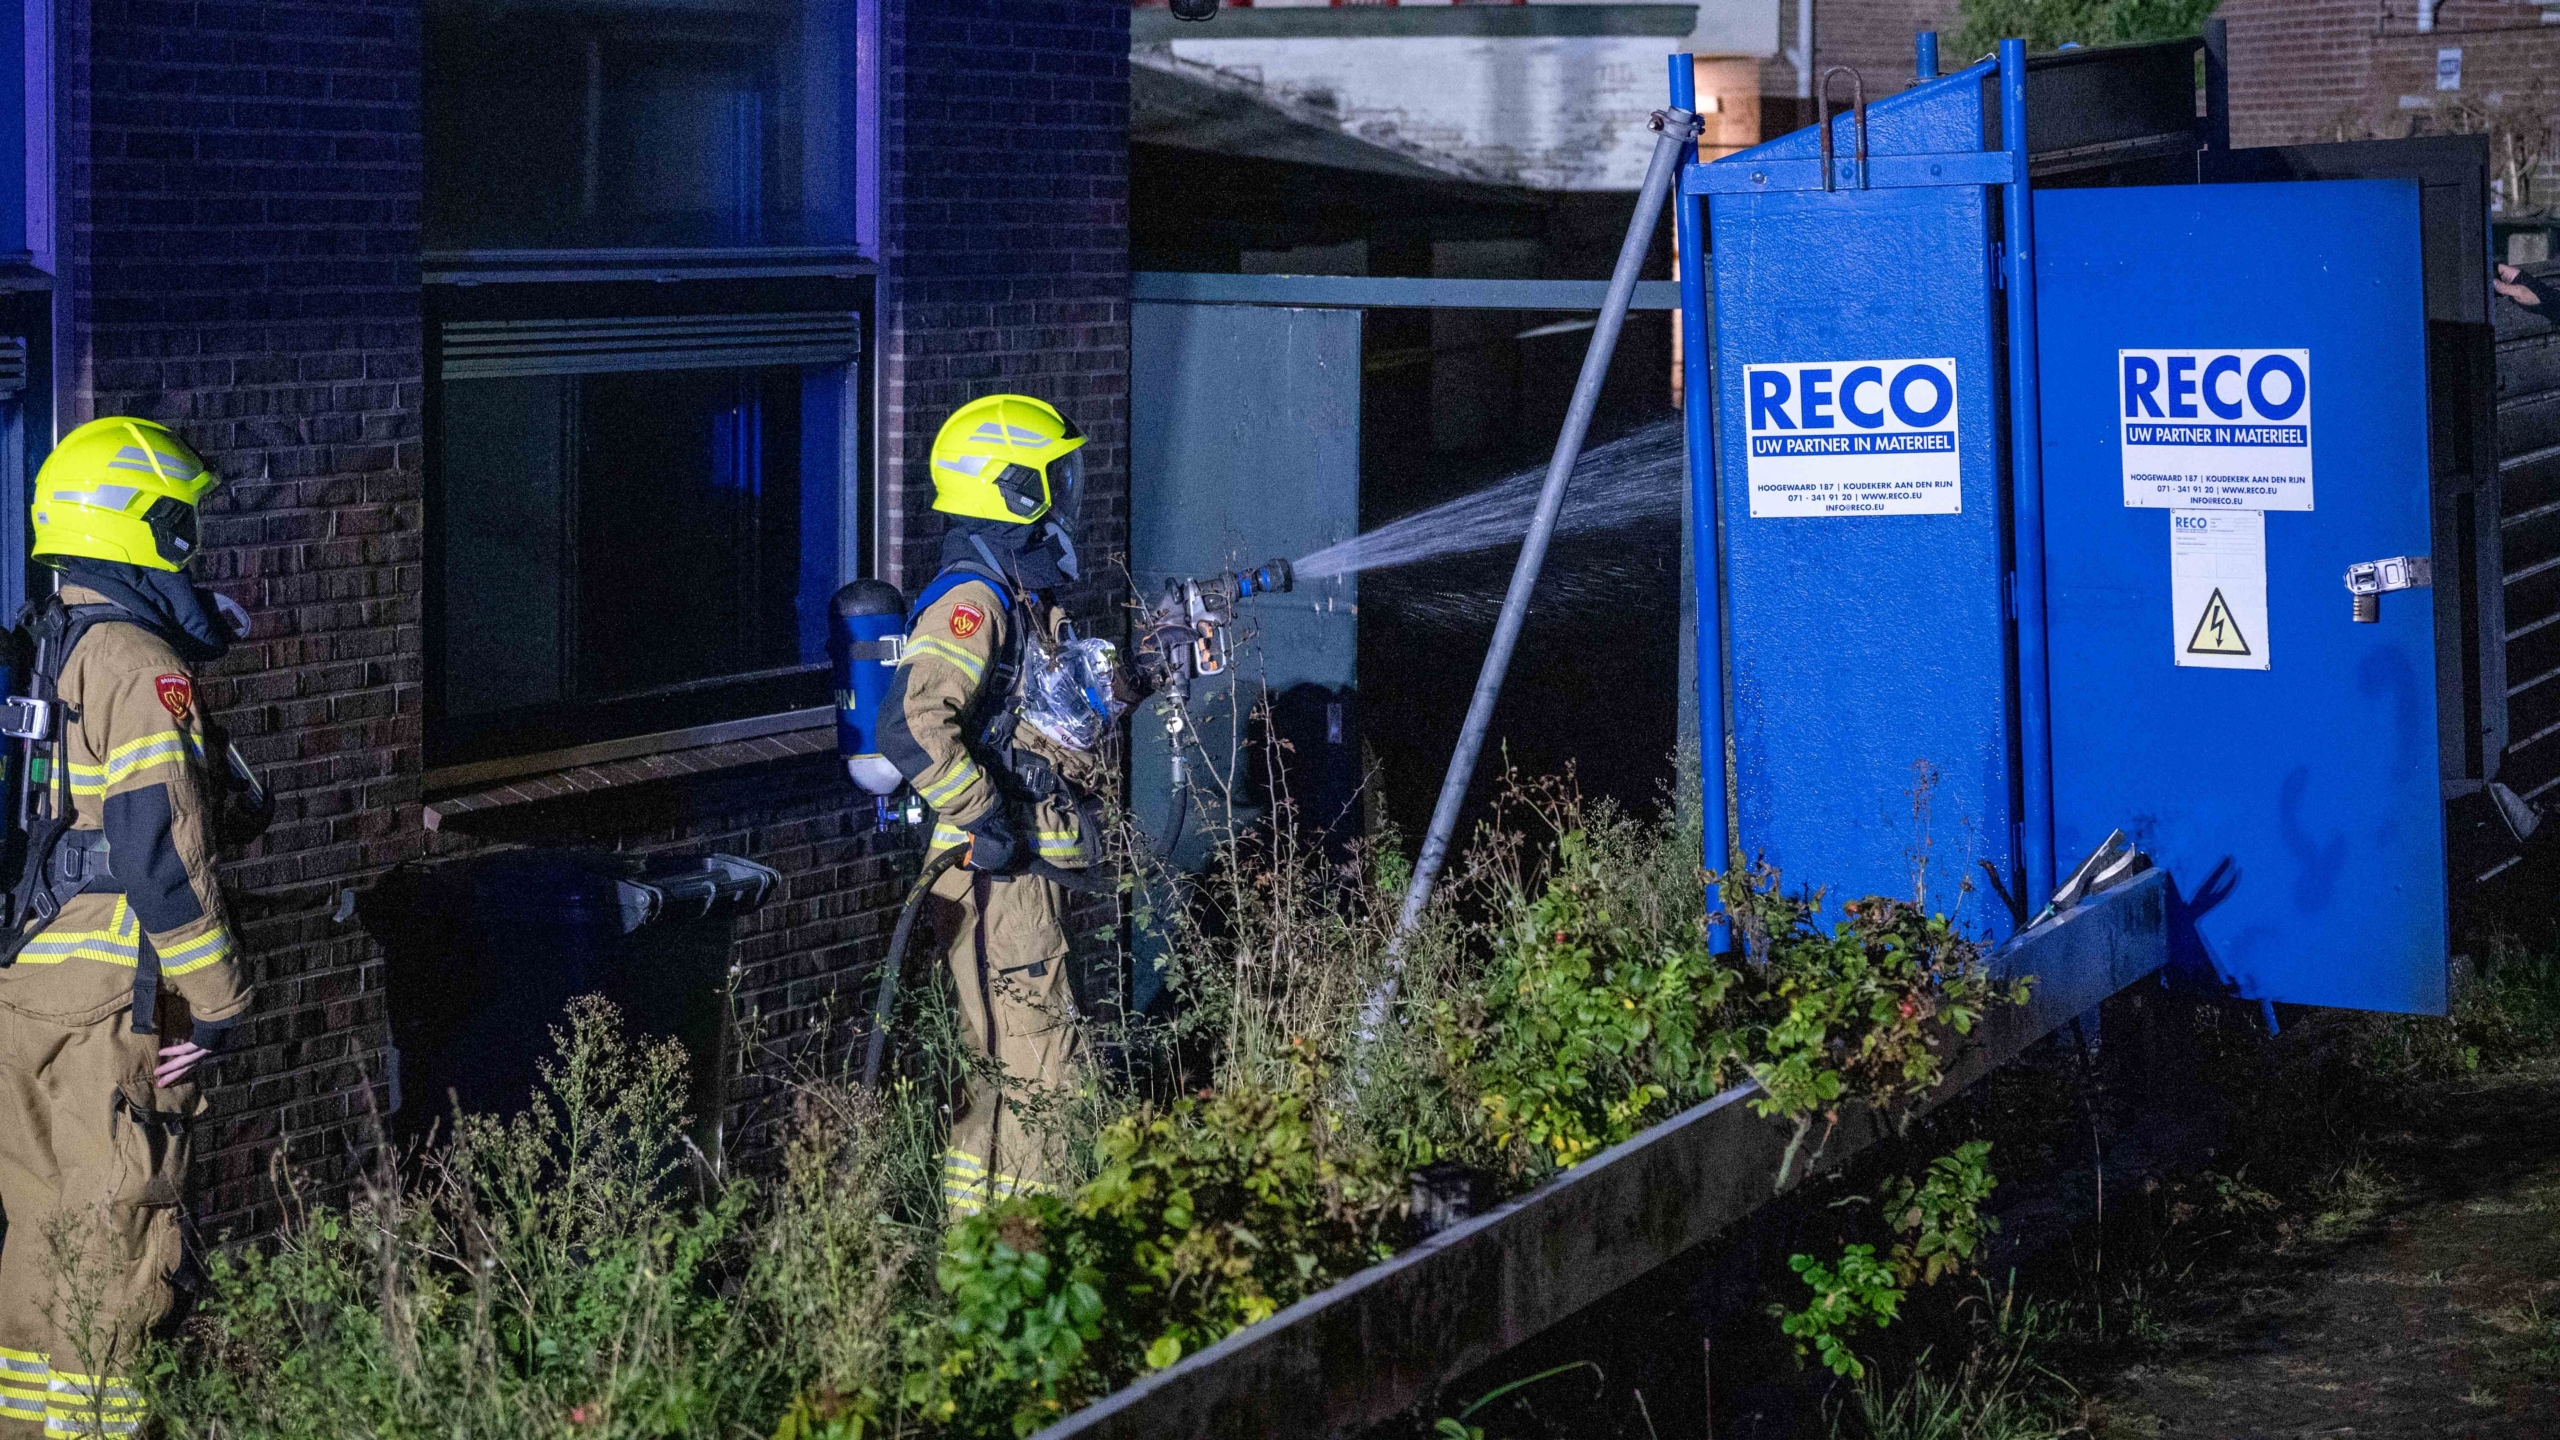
x,y
614,123
632,551
645,405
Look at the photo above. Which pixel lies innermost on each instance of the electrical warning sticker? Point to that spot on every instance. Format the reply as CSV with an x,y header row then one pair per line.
x,y
2218,588
1853,437
2215,429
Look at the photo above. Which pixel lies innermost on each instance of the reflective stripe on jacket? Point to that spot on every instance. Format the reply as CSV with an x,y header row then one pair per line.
x,y
939,702
134,742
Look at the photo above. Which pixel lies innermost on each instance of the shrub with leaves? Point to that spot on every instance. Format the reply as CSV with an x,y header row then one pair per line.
x,y
578,1268
1208,1215
2051,24
1024,1280
1940,1215
1940,1221
1859,1291
569,1268
1861,1013
1592,1020
1235,1204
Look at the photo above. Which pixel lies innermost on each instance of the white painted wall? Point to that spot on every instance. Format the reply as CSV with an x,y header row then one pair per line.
x,y
1545,113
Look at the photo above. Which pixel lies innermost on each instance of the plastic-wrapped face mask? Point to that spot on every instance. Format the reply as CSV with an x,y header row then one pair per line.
x,y
1067,693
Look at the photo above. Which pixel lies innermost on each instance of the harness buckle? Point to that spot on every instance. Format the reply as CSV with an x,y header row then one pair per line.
x,y
23,717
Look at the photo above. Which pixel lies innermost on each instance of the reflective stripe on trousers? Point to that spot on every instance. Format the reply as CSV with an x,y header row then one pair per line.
x,y
967,1188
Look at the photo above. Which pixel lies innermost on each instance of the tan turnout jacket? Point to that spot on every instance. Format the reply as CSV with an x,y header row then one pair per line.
x,y
134,737
939,702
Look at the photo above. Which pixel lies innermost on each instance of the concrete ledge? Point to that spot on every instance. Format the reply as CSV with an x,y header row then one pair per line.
x,y
1388,292
1371,22
1368,1348
641,760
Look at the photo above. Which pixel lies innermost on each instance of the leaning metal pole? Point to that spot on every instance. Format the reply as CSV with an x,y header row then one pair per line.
x,y
1675,142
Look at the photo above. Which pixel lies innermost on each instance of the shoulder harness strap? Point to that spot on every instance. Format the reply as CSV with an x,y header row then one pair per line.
x,y
56,629
954,576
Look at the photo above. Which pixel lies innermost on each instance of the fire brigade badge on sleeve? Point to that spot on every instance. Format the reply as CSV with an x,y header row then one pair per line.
x,y
965,620
176,694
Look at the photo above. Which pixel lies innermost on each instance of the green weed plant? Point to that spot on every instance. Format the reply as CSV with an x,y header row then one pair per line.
x,y
1940,1227
1863,1011
579,1270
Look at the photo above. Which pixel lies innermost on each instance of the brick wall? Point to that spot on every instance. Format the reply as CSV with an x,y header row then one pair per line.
x,y
2304,70
1873,37
2296,66
1006,219
241,207
241,195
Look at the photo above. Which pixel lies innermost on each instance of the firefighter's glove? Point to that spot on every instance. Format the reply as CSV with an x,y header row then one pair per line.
x,y
992,845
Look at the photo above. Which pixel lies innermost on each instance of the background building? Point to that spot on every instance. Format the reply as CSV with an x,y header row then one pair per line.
x,y
562,358
2329,70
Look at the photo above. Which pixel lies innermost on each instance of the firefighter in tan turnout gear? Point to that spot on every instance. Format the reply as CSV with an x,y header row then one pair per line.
x,y
1000,717
123,976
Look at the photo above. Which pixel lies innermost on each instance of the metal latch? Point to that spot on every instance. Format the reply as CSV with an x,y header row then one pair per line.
x,y
888,649
2370,580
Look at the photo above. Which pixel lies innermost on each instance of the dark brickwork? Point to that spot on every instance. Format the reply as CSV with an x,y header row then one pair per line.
x,y
1872,37
241,197
241,189
2311,70
1007,220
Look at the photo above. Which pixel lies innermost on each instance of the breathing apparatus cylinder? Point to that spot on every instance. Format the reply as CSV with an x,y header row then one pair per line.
x,y
867,630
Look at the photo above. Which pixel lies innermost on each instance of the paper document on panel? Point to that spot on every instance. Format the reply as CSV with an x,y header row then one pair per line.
x,y
2218,588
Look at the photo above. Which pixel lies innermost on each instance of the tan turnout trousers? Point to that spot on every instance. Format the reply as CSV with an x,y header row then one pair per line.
x,y
92,1158
1007,942
92,1155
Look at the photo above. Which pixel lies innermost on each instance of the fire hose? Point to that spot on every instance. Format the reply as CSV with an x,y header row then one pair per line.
x,y
885,999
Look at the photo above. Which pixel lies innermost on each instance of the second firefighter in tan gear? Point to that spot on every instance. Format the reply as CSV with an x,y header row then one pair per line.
x,y
110,1004
1005,935
1006,473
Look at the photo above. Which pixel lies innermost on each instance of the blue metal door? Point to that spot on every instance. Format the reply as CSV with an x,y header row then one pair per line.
x,y
2234,408
1871,703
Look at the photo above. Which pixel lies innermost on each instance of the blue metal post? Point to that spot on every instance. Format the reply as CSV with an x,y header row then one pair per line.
x,y
1698,410
2026,458
1925,58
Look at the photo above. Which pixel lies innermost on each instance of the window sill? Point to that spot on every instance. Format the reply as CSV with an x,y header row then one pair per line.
x,y
501,267
471,790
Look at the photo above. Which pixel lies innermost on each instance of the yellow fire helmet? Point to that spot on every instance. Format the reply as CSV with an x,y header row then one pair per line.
x,y
121,489
1011,458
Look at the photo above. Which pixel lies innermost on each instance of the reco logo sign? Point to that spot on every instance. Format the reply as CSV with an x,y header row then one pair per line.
x,y
1879,398
2216,429
1846,438
2250,387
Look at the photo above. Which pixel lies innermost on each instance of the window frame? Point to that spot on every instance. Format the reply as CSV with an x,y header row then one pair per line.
x,y
498,283
860,29
537,739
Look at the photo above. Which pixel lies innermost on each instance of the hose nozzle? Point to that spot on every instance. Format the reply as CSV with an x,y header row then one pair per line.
x,y
1273,578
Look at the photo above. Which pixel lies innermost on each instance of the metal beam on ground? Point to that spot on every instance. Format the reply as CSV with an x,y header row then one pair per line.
x,y
1365,1350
